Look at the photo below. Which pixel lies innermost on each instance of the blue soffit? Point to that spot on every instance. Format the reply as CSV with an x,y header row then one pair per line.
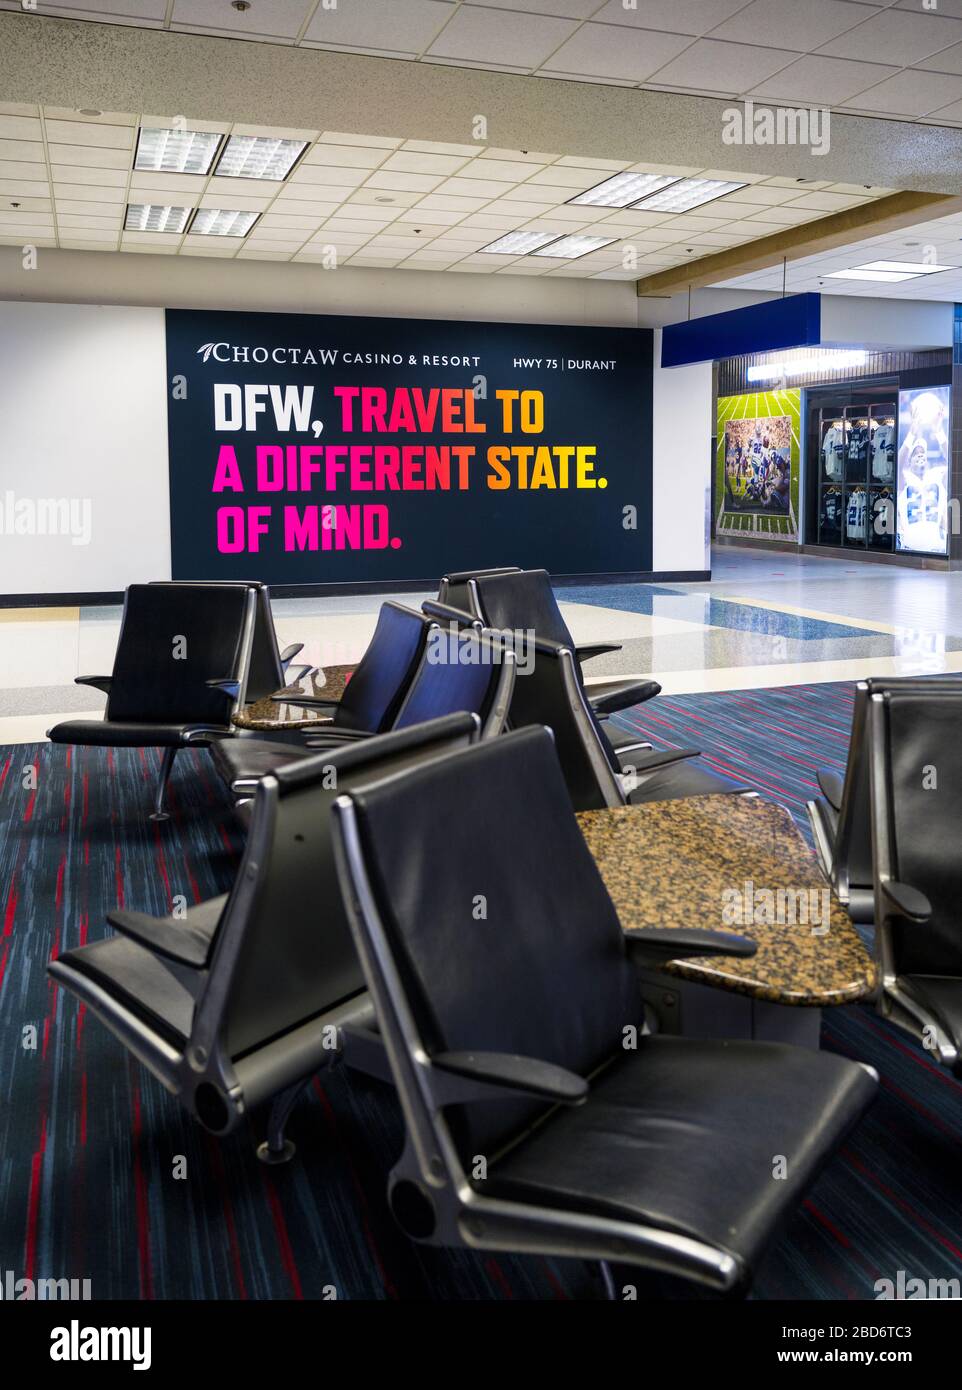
x,y
795,321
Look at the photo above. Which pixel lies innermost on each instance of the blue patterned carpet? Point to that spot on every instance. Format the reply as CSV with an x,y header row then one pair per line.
x,y
90,1143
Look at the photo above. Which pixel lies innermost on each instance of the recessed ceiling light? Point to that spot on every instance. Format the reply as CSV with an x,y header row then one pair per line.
x,y
624,189
89,111
519,243
688,193
259,157
155,217
910,267
569,248
176,151
880,276
223,222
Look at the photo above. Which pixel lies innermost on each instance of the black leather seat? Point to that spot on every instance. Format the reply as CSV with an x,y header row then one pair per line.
x,y
179,673
916,787
237,1003
525,602
597,774
370,702
270,668
442,684
453,589
539,1117
841,817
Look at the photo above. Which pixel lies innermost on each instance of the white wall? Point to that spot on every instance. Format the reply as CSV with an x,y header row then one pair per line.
x,y
681,464
84,418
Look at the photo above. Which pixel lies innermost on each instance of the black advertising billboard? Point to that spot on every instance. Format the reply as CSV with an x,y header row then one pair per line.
x,y
308,449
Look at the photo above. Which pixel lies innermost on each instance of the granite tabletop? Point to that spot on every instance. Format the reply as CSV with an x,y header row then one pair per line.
x,y
738,864
271,714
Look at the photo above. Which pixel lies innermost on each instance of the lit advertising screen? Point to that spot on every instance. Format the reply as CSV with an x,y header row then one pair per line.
x,y
923,472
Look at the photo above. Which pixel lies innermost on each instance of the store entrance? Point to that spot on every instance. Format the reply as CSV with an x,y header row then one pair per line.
x,y
851,466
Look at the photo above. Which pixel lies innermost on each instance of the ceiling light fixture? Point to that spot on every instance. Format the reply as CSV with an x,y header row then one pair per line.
x,y
258,157
155,217
910,267
880,277
223,222
167,151
686,194
569,248
519,243
803,364
622,190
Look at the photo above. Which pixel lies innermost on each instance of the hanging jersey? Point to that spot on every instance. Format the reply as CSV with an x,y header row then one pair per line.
x,y
833,451
858,444
832,512
883,453
855,516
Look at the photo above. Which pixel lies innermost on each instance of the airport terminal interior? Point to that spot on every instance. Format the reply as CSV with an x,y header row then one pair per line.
x,y
481,660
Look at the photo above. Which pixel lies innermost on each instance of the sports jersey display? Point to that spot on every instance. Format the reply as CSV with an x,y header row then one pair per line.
x,y
883,453
833,451
855,509
831,514
923,468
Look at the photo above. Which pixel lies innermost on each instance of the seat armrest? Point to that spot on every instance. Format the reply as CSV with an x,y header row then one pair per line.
x,y
164,936
655,945
584,651
832,786
509,1071
98,682
654,757
610,701
289,653
336,736
308,701
445,613
230,685
906,901
295,674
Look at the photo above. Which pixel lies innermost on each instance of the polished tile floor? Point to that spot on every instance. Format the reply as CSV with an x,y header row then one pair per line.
x,y
762,620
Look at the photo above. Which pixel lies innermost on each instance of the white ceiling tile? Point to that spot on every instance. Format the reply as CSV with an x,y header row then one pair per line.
x,y
947,60
67,113
601,50
81,206
278,19
89,157
231,202
30,151
822,81
897,32
448,203
24,188
442,147
473,188
520,210
401,26
571,178
347,156
562,9
18,169
304,209
739,66
337,137
952,112
910,94
404,183
522,156
260,190
72,219
792,26
180,184
496,169
501,36
102,178
290,224
383,198
114,137
20,128
414,162
89,194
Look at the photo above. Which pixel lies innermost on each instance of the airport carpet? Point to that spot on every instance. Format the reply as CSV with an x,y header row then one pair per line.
x,y
103,1176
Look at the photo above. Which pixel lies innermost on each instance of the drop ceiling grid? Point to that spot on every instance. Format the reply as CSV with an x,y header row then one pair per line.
x,y
84,180
943,234
891,58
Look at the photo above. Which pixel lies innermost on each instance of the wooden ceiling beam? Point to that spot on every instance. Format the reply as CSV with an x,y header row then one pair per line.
x,y
874,218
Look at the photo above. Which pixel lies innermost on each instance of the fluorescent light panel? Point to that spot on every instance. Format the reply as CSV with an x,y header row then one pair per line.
x,y
685,194
880,277
223,222
155,217
908,267
624,189
519,243
176,151
569,248
804,364
259,157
